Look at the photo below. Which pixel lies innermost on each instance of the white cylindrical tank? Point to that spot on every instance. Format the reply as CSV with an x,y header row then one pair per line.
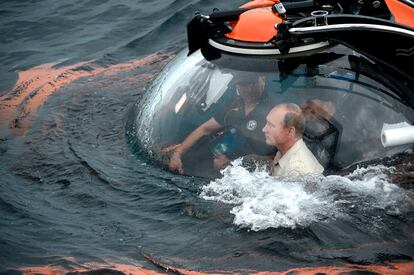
x,y
398,134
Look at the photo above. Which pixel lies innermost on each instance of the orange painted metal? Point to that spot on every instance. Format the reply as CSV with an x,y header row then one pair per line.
x,y
403,13
256,25
258,4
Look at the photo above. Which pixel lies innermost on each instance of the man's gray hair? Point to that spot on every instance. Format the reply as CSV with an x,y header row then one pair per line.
x,y
294,118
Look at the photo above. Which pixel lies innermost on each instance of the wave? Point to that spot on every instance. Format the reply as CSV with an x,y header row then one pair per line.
x,y
261,201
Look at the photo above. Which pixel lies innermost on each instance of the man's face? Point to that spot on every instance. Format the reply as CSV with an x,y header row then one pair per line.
x,y
253,89
317,108
274,131
246,89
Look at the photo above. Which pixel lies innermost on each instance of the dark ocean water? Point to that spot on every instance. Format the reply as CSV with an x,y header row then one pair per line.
x,y
75,194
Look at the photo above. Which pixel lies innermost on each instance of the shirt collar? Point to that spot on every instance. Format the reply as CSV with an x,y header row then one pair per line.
x,y
281,160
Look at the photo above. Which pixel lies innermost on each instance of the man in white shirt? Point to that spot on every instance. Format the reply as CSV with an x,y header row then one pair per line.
x,y
284,128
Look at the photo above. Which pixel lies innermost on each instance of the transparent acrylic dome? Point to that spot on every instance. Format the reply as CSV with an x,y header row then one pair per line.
x,y
345,97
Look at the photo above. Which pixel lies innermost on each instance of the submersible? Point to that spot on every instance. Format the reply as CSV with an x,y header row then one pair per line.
x,y
348,64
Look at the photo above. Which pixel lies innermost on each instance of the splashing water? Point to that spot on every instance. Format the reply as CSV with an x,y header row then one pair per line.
x,y
262,201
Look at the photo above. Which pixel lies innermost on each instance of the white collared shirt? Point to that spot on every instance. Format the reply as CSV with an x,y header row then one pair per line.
x,y
297,161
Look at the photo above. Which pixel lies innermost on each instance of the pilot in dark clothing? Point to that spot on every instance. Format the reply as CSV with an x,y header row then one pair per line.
x,y
242,132
236,128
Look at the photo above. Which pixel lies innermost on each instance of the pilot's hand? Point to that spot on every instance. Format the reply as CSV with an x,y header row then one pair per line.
x,y
220,160
170,148
176,165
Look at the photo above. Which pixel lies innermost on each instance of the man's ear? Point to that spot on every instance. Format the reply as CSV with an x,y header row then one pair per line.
x,y
261,82
292,132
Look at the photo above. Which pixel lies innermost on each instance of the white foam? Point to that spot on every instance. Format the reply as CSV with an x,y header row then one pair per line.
x,y
261,201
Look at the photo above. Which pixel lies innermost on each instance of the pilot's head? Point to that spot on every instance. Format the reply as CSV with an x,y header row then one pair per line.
x,y
249,84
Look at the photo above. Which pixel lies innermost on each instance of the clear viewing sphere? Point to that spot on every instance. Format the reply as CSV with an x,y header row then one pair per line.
x,y
346,99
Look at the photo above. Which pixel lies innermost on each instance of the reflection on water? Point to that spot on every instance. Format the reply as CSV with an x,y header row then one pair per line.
x,y
95,268
36,85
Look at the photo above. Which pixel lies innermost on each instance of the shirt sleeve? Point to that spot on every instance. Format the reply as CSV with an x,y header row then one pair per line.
x,y
219,116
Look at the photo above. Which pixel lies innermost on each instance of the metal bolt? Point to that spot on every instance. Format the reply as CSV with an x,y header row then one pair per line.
x,y
376,4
